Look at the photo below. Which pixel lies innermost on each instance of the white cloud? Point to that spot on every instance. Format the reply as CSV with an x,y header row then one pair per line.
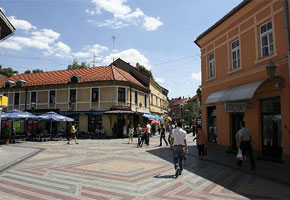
x,y
122,15
160,80
90,12
90,50
196,76
60,46
132,56
117,7
21,24
115,24
151,24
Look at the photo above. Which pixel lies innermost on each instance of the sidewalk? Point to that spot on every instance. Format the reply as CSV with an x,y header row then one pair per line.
x,y
11,155
266,169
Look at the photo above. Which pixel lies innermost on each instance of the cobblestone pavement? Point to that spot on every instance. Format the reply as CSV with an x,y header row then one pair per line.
x,y
114,169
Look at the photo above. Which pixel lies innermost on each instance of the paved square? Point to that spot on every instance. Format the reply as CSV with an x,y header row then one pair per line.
x,y
113,169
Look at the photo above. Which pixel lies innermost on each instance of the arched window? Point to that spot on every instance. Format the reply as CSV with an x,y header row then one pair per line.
x,y
8,84
20,82
75,79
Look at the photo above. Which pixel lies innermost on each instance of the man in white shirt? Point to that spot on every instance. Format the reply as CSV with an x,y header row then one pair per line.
x,y
149,132
179,145
244,142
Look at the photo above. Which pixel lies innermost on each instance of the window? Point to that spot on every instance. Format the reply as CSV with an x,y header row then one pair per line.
x,y
16,99
136,98
145,100
73,95
267,46
236,54
121,94
95,94
33,97
52,96
211,65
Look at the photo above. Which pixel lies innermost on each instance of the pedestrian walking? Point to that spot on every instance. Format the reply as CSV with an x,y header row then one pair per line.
x,y
97,132
144,135
162,135
124,131
179,145
131,133
138,133
103,132
73,133
245,145
149,129
170,133
201,142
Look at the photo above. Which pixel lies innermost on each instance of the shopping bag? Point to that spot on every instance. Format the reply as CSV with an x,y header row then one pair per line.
x,y
239,154
205,150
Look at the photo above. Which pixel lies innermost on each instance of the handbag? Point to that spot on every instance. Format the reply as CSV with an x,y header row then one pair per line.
x,y
240,154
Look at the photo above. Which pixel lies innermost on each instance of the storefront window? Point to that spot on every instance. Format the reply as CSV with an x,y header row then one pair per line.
x,y
212,132
271,127
94,121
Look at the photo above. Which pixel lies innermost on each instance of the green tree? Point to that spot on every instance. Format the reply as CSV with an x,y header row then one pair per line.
x,y
191,112
76,65
33,71
144,70
7,71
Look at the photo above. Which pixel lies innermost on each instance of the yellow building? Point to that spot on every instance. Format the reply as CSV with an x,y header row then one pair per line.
x,y
98,96
158,94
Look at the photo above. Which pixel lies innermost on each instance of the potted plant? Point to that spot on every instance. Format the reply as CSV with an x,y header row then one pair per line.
x,y
5,135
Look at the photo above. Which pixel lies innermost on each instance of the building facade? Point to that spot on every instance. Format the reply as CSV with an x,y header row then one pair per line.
x,y
245,76
98,96
158,94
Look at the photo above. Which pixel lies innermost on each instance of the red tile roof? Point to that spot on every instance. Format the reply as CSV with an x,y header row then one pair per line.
x,y
179,101
105,73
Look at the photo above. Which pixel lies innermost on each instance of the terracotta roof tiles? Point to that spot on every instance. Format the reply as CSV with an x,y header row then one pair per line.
x,y
105,73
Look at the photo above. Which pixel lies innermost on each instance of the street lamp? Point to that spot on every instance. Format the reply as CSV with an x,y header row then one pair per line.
x,y
181,112
271,69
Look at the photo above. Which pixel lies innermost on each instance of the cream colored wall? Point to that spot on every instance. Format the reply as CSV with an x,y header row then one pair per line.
x,y
83,94
108,94
83,123
42,97
155,105
62,95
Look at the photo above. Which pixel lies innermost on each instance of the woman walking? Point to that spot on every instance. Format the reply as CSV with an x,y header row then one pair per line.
x,y
201,142
131,133
162,135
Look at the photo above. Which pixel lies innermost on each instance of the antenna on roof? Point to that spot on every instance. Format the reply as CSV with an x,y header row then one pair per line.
x,y
94,60
113,38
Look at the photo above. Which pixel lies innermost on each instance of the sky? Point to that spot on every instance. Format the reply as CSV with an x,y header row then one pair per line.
x,y
158,34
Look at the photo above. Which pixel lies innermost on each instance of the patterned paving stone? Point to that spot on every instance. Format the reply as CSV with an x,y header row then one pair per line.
x,y
113,169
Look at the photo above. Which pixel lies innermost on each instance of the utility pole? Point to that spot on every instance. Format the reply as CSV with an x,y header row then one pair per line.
x,y
94,60
113,38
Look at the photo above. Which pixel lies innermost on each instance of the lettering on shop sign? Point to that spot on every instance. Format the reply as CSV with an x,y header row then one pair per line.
x,y
236,107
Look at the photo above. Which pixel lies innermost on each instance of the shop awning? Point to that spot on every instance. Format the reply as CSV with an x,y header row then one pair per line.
x,y
153,117
119,112
239,93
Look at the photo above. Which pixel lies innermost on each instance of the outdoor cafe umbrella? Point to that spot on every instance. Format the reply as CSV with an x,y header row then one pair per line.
x,y
154,122
54,117
15,115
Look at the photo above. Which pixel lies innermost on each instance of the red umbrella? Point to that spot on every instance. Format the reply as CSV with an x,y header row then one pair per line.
x,y
154,122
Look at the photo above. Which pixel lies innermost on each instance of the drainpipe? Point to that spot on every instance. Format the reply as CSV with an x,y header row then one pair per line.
x,y
25,99
286,14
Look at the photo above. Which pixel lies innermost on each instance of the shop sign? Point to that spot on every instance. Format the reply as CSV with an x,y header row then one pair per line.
x,y
236,107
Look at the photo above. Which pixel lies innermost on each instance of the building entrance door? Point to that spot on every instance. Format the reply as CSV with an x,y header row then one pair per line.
x,y
236,119
271,128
